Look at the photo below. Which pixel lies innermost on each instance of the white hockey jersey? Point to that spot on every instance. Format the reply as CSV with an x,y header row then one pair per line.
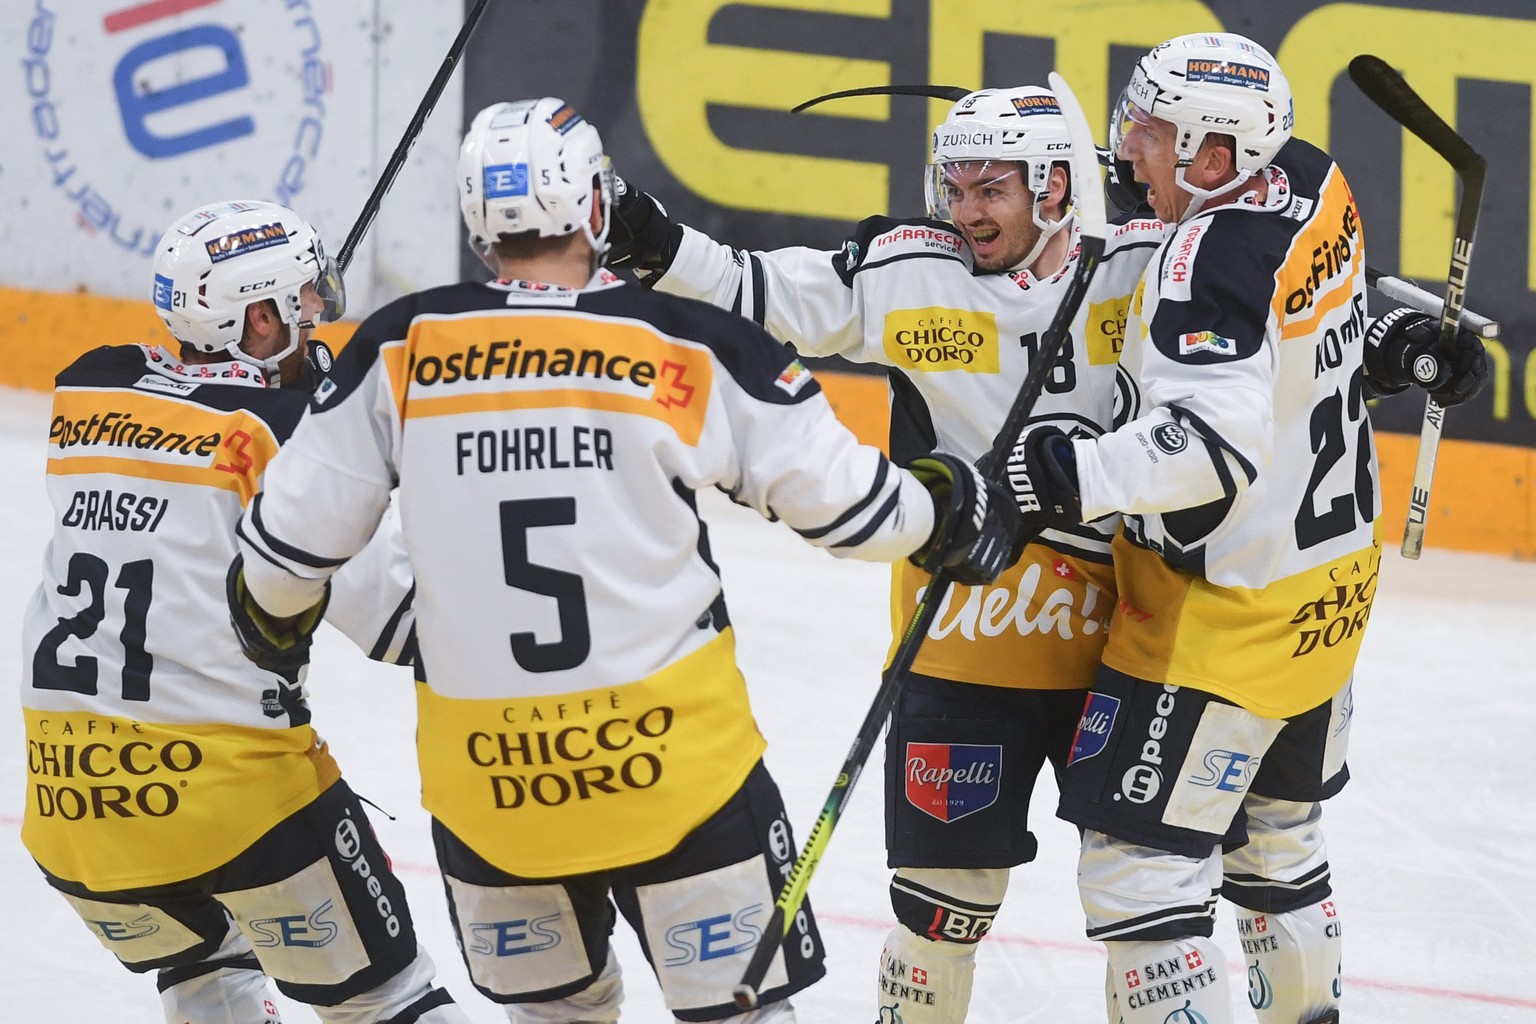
x,y
1244,461
580,707
155,750
901,294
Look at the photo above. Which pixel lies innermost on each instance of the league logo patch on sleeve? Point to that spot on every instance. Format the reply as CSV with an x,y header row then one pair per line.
x,y
1093,728
163,290
951,780
1206,341
793,378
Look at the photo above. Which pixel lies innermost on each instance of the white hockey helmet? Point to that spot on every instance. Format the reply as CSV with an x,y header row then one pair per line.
x,y
1022,125
1221,84
530,166
218,259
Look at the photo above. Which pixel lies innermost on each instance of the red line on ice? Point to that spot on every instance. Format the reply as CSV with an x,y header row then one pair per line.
x,y
154,10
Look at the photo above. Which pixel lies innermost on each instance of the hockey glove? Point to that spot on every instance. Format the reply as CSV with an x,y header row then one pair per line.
x,y
1402,348
277,645
1042,476
642,238
317,365
974,521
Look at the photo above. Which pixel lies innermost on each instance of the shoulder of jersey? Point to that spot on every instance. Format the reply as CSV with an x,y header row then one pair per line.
x,y
878,241
124,367
762,366
1133,232
392,321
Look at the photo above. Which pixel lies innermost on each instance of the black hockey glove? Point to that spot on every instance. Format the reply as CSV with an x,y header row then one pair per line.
x,y
642,238
974,521
317,365
283,649
1042,476
1402,348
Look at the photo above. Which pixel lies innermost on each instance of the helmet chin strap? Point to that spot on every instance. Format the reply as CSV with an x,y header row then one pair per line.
x,y
1205,195
1048,230
269,365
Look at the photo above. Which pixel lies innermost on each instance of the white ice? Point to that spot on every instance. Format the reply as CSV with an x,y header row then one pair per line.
x,y
1429,842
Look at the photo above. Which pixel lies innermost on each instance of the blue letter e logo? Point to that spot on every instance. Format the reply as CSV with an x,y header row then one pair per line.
x,y
137,109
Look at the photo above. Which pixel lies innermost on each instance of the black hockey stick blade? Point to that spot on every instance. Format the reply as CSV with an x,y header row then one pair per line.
x,y
1389,91
1088,187
412,130
953,93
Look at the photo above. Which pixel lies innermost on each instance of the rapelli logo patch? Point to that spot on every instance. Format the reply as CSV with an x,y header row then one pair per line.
x,y
951,780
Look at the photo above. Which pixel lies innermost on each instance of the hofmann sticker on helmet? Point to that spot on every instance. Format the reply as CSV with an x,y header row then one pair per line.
x,y
1027,105
564,119
1227,72
246,240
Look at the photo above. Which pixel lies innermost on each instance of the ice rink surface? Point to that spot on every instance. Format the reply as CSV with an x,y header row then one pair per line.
x,y
1431,843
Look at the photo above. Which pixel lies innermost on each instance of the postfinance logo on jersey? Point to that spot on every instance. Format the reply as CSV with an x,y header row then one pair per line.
x,y
543,361
935,338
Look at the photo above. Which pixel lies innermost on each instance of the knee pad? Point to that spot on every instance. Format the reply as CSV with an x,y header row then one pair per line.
x,y
1134,893
948,904
1294,961
1168,981
780,1012
1288,923
229,985
1284,864
923,981
408,997
598,1003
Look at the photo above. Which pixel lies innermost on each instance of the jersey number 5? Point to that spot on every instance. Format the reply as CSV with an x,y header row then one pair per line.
x,y
90,572
575,643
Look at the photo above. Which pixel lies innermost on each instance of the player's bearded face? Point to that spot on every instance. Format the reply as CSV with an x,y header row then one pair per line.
x,y
1147,142
311,305
990,205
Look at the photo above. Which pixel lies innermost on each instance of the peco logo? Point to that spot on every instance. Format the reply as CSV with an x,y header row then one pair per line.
x,y
130,100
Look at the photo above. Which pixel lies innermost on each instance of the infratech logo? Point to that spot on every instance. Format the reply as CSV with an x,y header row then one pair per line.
x,y
132,105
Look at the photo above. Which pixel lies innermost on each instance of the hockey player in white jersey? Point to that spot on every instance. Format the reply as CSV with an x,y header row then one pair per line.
x,y
177,794
585,738
1244,467
954,308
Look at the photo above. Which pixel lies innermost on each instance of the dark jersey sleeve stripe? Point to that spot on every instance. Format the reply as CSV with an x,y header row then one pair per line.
x,y
881,473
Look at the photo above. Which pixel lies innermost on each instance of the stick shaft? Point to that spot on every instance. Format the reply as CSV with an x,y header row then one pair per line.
x,y
412,130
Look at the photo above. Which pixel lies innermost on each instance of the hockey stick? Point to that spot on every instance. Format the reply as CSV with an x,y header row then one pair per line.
x,y
1386,88
412,130
1091,217
1427,302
